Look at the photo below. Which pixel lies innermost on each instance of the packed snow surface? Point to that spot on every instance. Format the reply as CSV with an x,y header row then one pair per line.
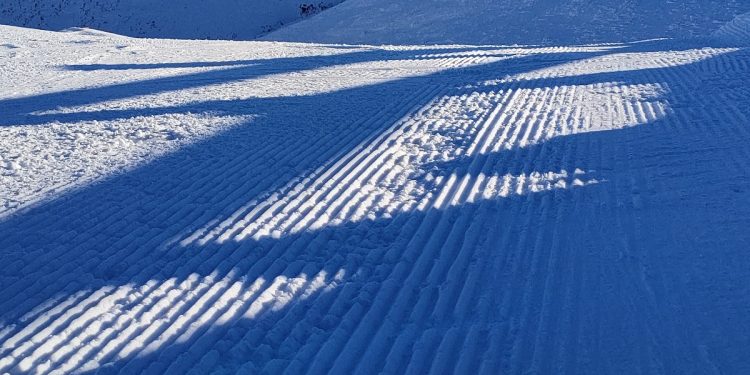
x,y
175,207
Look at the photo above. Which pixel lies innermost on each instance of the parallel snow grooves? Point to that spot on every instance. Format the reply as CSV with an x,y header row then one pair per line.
x,y
157,313
303,208
491,163
543,345
502,229
314,183
427,295
438,366
723,132
208,166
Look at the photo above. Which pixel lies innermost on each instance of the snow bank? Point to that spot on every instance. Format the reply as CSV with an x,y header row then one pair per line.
x,y
736,31
511,22
191,19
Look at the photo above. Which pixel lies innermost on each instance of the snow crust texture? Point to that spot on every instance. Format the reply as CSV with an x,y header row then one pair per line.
x,y
174,207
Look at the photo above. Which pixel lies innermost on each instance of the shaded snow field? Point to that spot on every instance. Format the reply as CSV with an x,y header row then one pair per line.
x,y
173,206
189,19
737,31
527,22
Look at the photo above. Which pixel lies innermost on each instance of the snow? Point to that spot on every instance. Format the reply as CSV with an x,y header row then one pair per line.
x,y
736,31
190,19
180,206
545,22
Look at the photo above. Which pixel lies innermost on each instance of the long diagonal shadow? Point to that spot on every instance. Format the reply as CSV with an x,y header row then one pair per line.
x,y
21,110
30,110
406,292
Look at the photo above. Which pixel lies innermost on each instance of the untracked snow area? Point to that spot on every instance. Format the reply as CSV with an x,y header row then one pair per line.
x,y
177,206
189,19
538,22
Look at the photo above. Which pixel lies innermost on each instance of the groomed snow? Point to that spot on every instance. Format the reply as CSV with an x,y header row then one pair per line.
x,y
175,207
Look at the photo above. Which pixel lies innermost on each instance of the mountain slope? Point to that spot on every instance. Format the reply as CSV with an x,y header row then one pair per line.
x,y
186,19
511,22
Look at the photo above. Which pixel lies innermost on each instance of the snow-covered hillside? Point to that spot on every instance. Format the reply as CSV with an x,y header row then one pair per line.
x,y
246,207
193,19
549,22
736,31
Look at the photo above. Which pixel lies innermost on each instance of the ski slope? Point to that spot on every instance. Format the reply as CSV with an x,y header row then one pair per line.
x,y
173,207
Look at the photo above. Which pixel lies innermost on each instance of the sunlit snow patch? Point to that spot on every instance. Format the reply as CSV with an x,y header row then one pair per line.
x,y
115,324
44,161
412,165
